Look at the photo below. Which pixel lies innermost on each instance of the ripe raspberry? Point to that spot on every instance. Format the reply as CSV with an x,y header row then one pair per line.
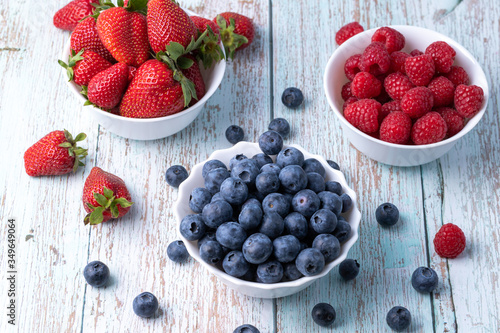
x,y
383,97
351,66
449,241
375,59
347,31
398,61
363,115
389,107
396,128
417,102
443,91
442,54
346,91
454,121
468,100
420,69
457,75
365,85
430,128
416,52
392,39
350,100
397,84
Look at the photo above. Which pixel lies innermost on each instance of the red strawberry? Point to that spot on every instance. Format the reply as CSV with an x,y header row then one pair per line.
x,y
85,37
193,74
105,196
123,31
201,24
68,17
106,89
210,49
54,154
167,23
236,31
82,67
131,73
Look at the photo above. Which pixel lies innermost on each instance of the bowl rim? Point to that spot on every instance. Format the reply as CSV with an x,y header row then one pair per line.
x,y
456,46
240,147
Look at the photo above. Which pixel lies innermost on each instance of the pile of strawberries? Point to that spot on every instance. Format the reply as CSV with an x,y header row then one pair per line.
x,y
140,58
417,98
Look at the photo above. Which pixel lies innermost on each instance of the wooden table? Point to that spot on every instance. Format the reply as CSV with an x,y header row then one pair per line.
x,y
293,41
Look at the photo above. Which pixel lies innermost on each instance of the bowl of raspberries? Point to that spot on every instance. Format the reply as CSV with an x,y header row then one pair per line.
x,y
267,219
404,95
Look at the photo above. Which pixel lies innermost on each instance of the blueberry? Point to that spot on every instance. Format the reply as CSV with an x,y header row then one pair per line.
x,y
424,280
290,272
246,329
333,164
286,248
323,314
216,213
214,179
387,214
331,201
328,245
199,198
293,178
292,97
235,264
231,235
270,272
192,227
342,230
323,221
281,126
289,156
251,201
209,236
212,252
216,197
306,202
270,142
315,182
250,216
334,187
234,191
296,225
313,165
236,159
267,182
175,175
262,159
145,305
346,202
398,318
349,269
272,225
288,197
210,165
234,134
310,262
246,170
177,252
96,274
257,248
271,167
250,274
276,202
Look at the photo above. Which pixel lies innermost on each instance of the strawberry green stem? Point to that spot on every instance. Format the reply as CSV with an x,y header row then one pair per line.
x,y
107,203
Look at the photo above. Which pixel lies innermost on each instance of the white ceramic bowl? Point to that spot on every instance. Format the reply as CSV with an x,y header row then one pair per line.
x,y
389,153
254,289
151,128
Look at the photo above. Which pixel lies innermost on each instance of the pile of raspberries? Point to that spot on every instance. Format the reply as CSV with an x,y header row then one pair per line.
x,y
406,98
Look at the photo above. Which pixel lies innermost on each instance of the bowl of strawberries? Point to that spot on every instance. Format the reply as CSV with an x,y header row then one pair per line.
x,y
145,69
404,95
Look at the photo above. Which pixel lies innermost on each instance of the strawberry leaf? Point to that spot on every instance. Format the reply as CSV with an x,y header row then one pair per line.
x,y
107,192
137,6
101,199
114,210
184,63
80,137
120,3
96,216
175,50
66,145
123,202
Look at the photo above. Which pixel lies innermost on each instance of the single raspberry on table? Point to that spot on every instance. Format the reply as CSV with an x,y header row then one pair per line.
x,y
449,241
363,115
468,100
420,69
429,128
457,75
346,91
454,121
443,91
351,66
375,59
442,54
347,31
348,101
398,61
392,39
396,128
416,52
417,102
365,85
397,85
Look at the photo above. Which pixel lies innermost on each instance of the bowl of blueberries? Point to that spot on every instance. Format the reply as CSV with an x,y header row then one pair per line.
x,y
267,219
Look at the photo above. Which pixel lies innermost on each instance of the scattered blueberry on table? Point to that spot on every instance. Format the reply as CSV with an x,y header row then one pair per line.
x,y
333,164
234,134
281,126
246,329
175,175
145,305
424,280
398,318
387,214
323,314
270,142
177,252
96,274
292,97
349,269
